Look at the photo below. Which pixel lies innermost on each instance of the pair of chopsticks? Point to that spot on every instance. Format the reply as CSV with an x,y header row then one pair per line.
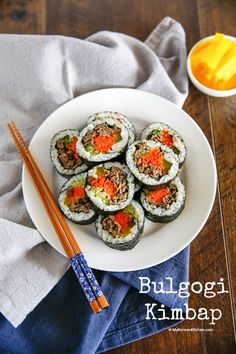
x,y
84,274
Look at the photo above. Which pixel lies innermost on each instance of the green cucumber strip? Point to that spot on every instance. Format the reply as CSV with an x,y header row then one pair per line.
x,y
90,149
67,201
175,150
147,191
101,195
67,140
78,183
117,138
167,166
156,132
131,211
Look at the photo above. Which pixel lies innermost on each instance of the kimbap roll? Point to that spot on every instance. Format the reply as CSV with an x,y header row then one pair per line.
x,y
165,204
122,230
166,135
64,155
73,201
102,140
152,163
110,187
120,118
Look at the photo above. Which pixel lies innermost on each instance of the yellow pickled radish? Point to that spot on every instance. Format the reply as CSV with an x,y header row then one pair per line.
x,y
201,46
213,63
197,52
220,49
227,85
228,66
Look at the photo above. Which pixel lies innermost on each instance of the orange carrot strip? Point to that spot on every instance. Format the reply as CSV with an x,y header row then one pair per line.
x,y
104,143
158,195
154,157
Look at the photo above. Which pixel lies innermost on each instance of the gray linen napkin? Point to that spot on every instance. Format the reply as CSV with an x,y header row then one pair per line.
x,y
37,75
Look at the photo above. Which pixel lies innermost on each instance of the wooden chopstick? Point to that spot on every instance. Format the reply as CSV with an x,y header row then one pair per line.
x,y
52,201
91,279
59,223
65,243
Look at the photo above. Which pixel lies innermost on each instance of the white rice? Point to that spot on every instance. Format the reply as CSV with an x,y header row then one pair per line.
x,y
98,201
107,237
74,216
177,139
116,148
174,207
145,178
54,154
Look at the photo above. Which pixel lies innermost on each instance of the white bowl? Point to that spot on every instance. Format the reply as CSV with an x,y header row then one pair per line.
x,y
201,87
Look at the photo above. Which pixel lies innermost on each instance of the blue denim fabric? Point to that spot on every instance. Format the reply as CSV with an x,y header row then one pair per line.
x,y
63,321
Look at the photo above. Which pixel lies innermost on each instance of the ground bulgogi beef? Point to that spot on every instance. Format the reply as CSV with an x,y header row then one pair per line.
x,y
110,225
151,170
100,130
118,178
66,157
169,198
80,205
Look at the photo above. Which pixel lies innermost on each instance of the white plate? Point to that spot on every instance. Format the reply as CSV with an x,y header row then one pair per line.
x,y
159,241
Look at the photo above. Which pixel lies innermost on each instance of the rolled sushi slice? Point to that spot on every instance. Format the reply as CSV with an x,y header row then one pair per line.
x,y
120,118
166,135
74,202
102,140
64,155
122,230
152,163
110,187
165,204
